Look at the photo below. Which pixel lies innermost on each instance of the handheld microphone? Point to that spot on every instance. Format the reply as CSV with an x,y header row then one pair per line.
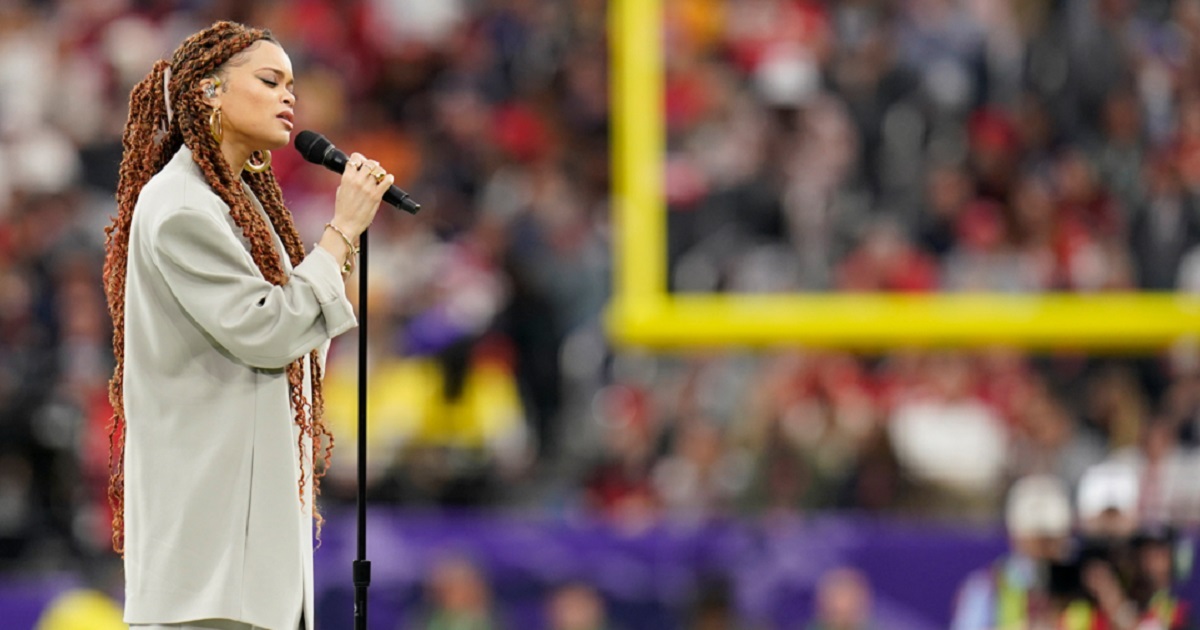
x,y
317,149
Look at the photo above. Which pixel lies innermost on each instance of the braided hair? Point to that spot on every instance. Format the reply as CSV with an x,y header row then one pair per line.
x,y
150,140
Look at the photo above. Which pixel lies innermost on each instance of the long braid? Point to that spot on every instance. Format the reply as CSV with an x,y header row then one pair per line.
x,y
143,157
147,150
322,438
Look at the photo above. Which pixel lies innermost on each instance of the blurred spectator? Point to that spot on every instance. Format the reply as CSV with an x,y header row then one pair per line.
x,y
459,598
1127,565
1160,568
843,601
576,607
619,485
1014,592
1107,501
1114,403
949,190
700,477
886,261
983,259
949,440
1165,228
1121,156
1105,562
1167,491
1047,440
994,153
1180,402
1088,252
814,437
715,608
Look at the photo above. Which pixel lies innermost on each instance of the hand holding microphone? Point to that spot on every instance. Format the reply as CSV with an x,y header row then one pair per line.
x,y
364,184
319,150
359,194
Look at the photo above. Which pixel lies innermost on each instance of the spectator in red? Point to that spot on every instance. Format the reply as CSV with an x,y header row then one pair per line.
x,y
885,260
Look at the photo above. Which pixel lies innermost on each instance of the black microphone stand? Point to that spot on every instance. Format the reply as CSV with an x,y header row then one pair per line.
x,y
362,566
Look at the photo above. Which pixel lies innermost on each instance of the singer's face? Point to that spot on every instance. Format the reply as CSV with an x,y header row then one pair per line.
x,y
258,103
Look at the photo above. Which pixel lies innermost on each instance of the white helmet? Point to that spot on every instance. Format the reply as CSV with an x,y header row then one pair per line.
x,y
1038,505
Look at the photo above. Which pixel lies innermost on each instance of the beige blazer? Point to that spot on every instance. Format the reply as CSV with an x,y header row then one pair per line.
x,y
214,526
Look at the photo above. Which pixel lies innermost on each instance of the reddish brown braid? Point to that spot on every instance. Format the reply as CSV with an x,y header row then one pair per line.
x,y
149,143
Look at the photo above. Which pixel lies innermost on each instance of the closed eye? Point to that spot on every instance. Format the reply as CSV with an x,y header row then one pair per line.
x,y
276,75
273,84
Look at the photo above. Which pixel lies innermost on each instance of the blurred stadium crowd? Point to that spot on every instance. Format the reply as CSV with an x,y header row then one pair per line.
x,y
916,145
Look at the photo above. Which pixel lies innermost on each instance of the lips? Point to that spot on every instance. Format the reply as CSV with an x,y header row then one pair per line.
x,y
288,118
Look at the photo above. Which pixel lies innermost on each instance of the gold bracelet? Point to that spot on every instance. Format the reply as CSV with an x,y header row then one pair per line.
x,y
348,266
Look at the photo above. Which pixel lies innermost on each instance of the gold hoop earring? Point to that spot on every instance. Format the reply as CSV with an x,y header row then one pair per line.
x,y
215,126
261,166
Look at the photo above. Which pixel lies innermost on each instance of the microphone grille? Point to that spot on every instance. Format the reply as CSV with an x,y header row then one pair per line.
x,y
312,145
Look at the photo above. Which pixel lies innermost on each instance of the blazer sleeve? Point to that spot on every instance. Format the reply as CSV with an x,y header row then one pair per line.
x,y
218,285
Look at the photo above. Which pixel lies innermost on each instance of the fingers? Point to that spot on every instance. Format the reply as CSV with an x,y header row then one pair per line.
x,y
380,176
375,174
358,163
364,183
367,176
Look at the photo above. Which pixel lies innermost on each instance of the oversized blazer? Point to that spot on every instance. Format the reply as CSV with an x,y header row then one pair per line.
x,y
214,523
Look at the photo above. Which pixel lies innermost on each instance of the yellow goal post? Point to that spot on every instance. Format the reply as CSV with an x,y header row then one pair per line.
x,y
643,313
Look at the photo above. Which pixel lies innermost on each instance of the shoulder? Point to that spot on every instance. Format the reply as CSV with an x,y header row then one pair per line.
x,y
179,187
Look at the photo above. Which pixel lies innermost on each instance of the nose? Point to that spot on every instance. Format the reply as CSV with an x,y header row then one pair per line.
x,y
289,99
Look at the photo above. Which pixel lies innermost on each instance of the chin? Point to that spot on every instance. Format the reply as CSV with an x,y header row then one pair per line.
x,y
272,140
278,141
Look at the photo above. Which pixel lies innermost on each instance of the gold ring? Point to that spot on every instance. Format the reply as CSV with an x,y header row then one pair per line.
x,y
378,175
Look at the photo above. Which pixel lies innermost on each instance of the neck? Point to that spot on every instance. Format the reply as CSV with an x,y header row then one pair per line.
x,y
235,154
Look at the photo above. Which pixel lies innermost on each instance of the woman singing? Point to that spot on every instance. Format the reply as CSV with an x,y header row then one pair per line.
x,y
221,323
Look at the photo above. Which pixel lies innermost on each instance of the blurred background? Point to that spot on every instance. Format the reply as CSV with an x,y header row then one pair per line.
x,y
524,472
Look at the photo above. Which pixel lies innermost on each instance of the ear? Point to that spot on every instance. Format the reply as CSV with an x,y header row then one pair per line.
x,y
210,90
